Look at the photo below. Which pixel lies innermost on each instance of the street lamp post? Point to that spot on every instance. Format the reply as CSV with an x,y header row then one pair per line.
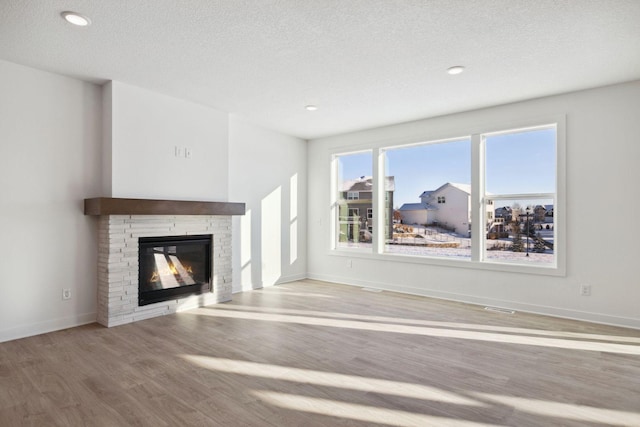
x,y
527,231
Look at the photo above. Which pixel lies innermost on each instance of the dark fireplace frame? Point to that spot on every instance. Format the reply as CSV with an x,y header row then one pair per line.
x,y
160,295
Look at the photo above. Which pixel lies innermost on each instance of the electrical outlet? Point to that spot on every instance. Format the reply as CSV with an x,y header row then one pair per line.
x,y
187,153
349,263
178,151
585,290
66,294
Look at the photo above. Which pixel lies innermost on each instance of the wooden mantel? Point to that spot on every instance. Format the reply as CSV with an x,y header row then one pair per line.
x,y
115,206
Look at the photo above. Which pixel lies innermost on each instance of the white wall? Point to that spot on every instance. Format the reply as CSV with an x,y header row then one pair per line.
x,y
602,162
49,162
63,140
146,127
267,171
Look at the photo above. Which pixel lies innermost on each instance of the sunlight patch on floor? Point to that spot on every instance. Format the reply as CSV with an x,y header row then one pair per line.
x,y
566,410
420,322
329,379
304,294
424,331
353,411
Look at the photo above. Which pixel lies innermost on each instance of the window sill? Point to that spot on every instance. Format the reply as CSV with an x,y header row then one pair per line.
x,y
509,267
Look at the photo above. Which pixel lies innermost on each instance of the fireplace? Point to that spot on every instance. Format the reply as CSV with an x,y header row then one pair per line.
x,y
173,267
124,223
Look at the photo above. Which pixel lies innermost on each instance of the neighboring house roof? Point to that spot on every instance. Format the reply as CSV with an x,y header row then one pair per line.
x,y
365,183
416,207
463,187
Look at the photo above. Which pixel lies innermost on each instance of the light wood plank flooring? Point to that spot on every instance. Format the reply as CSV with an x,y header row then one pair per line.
x,y
315,354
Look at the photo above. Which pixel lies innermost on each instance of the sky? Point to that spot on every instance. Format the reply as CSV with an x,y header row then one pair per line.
x,y
515,163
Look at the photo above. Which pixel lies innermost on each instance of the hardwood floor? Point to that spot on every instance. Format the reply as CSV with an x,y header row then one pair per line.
x,y
315,354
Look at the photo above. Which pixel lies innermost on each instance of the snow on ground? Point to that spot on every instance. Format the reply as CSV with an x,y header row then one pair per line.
x,y
415,246
461,253
458,253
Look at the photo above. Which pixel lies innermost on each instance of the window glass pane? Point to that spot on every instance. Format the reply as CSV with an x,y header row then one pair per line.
x,y
355,185
428,187
521,162
522,231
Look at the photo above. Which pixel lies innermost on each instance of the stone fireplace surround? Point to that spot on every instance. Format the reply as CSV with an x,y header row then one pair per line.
x,y
118,233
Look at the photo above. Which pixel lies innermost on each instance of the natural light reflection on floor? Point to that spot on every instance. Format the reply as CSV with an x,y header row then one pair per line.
x,y
482,402
420,322
304,294
329,379
566,410
424,331
353,411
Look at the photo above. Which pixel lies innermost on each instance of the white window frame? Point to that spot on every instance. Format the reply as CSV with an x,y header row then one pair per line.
x,y
488,199
353,195
478,200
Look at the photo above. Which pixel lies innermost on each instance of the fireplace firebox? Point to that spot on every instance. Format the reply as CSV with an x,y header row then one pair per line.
x,y
173,267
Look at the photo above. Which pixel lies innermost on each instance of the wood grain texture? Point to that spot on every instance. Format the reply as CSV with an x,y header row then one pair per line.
x,y
117,206
315,354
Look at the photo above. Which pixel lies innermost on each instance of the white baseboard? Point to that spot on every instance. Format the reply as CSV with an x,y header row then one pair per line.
x,y
564,313
291,278
31,329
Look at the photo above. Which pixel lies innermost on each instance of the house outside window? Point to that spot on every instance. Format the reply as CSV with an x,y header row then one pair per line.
x,y
352,192
353,195
428,226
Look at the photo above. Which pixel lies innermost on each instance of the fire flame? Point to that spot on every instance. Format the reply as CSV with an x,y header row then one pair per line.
x,y
170,270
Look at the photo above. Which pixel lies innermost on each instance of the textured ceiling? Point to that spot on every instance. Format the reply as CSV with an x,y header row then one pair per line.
x,y
365,63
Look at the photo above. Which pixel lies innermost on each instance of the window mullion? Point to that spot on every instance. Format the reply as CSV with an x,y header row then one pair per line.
x,y
335,212
477,202
378,201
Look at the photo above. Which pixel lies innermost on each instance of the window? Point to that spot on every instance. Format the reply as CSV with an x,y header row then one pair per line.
x,y
353,174
520,176
489,200
421,177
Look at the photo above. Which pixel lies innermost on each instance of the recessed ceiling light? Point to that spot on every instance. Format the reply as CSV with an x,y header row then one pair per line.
x,y
76,19
457,69
311,107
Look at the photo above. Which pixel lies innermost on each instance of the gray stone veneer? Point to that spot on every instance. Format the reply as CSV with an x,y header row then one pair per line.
x,y
118,263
